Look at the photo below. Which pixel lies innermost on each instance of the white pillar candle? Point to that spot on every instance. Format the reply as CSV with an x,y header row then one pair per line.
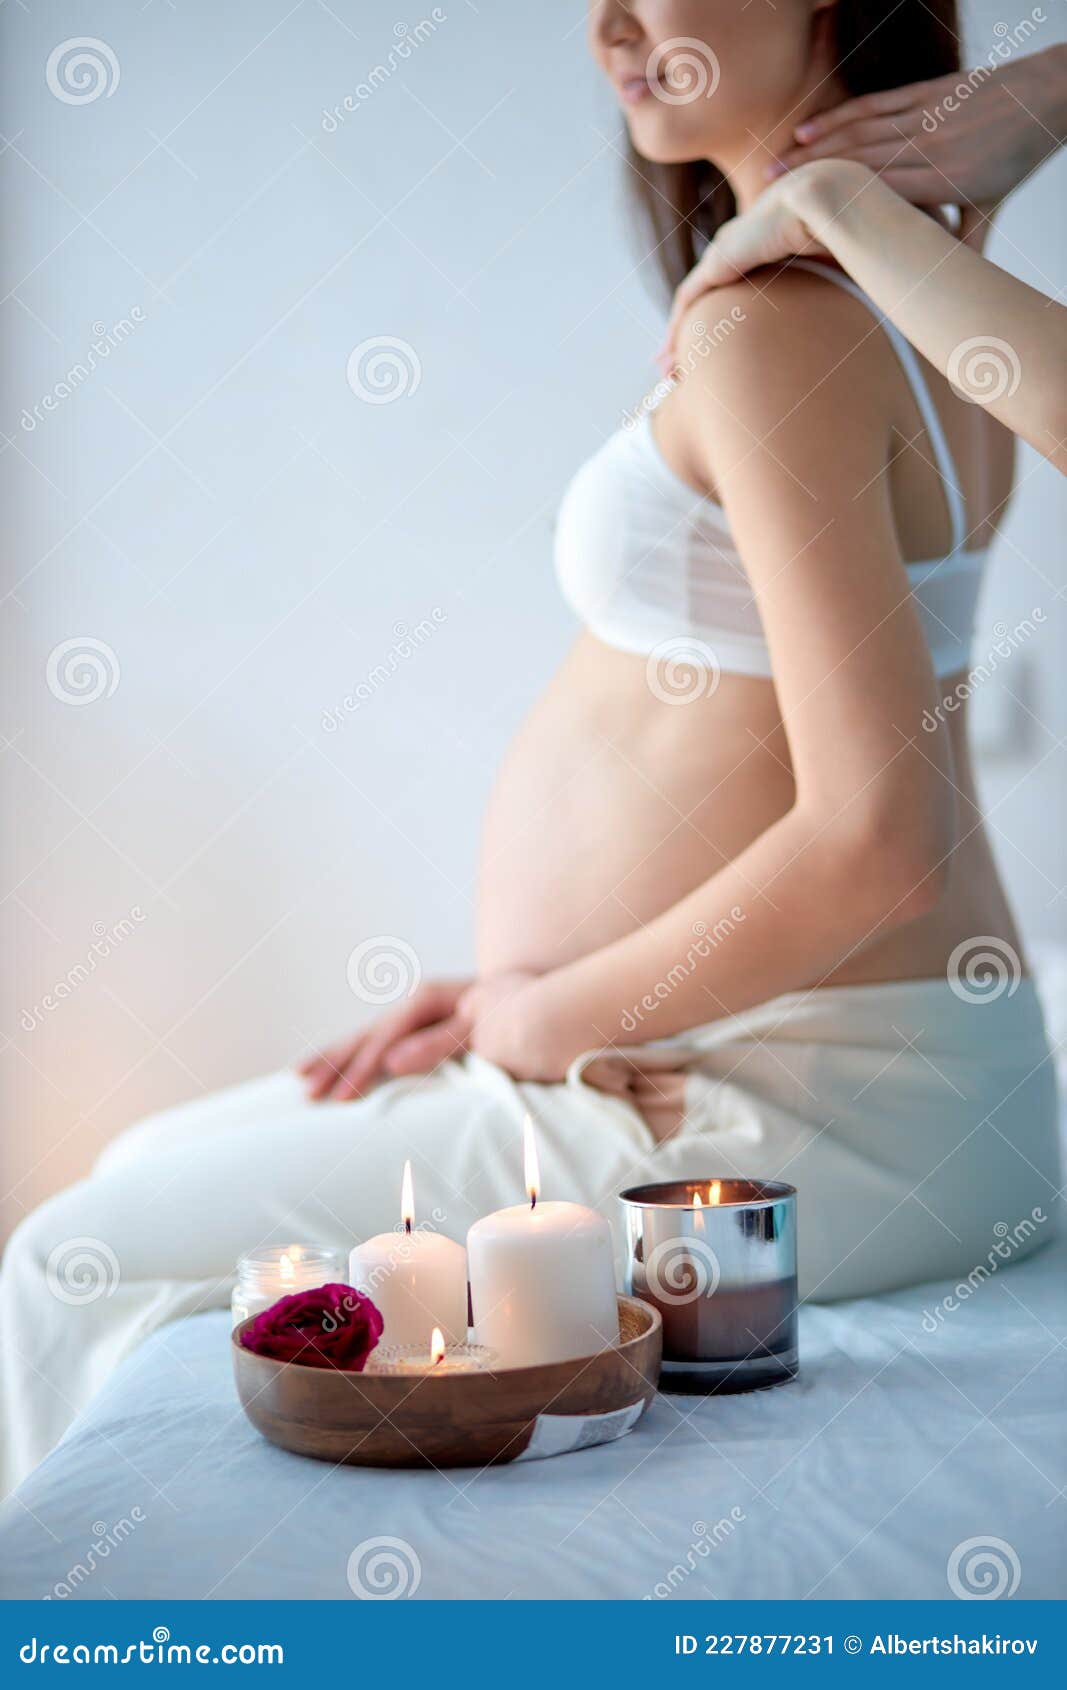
x,y
416,1278
542,1279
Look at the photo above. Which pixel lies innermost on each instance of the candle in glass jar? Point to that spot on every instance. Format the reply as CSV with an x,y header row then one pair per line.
x,y
542,1278
718,1260
416,1278
276,1271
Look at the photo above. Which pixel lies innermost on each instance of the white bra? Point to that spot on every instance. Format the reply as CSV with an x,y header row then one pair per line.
x,y
645,561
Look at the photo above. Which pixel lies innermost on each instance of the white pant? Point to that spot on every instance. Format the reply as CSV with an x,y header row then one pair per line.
x,y
911,1124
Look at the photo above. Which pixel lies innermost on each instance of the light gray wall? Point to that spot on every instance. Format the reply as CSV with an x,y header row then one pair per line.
x,y
246,536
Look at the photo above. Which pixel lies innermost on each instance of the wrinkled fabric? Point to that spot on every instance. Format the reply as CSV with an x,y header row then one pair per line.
x,y
866,1477
912,1123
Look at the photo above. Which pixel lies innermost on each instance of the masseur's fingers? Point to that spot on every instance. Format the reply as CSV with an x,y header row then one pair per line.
x,y
886,152
968,139
856,142
765,234
420,1052
885,103
712,270
686,294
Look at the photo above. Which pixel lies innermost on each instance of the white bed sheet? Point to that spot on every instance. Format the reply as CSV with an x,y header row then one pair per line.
x,y
895,1446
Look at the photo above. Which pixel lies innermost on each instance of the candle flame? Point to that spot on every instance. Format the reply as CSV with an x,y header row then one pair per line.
x,y
698,1212
437,1346
287,1263
715,1191
407,1198
530,1167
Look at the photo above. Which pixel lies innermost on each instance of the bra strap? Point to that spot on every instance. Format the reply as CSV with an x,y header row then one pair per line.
x,y
946,467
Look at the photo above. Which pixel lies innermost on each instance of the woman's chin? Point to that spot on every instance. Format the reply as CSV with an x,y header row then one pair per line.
x,y
660,141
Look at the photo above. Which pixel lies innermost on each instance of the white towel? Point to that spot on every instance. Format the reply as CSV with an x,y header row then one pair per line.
x,y
913,1124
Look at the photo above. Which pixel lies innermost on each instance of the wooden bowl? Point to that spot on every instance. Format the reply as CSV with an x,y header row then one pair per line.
x,y
458,1419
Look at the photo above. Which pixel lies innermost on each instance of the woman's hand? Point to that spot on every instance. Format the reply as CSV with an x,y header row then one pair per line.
x,y
965,139
425,1029
510,1025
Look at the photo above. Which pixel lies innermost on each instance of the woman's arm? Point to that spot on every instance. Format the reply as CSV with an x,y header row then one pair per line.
x,y
790,412
1001,343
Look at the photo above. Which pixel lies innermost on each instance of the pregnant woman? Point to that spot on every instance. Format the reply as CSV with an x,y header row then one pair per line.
x,y
734,870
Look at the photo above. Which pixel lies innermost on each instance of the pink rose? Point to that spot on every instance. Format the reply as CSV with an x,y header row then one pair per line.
x,y
330,1326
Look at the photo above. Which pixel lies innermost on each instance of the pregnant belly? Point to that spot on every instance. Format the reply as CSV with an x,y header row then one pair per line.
x,y
611,804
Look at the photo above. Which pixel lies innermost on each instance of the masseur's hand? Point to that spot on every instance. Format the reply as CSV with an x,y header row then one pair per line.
x,y
927,142
772,229
964,139
425,1029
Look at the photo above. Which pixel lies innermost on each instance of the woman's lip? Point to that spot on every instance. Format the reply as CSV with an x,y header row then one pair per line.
x,y
633,90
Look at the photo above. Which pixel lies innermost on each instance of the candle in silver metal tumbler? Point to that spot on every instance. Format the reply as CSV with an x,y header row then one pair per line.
x,y
718,1259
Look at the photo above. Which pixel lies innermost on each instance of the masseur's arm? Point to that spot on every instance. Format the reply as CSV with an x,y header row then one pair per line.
x,y
1002,343
866,844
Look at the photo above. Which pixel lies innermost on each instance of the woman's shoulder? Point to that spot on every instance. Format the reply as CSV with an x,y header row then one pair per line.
x,y
787,383
785,347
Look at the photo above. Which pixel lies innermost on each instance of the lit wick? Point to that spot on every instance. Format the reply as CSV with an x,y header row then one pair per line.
x,y
407,1198
437,1347
530,1167
715,1191
698,1213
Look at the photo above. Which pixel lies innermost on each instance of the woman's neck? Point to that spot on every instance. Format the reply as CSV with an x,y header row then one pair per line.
x,y
747,175
746,169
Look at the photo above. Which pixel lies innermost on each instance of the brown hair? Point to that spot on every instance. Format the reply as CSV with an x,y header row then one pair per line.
x,y
877,44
